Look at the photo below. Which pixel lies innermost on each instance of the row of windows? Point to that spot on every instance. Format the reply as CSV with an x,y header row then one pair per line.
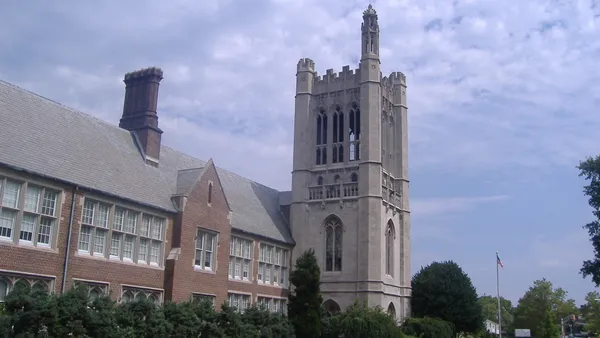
x,y
95,289
27,213
118,233
333,246
338,136
241,302
272,260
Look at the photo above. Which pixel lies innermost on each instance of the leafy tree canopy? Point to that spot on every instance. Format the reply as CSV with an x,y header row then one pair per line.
x,y
590,170
533,307
304,307
591,313
443,290
489,306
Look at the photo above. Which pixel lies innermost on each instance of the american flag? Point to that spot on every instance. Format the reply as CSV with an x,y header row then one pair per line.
x,y
499,261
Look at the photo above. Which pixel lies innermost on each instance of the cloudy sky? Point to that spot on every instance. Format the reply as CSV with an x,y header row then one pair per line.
x,y
501,103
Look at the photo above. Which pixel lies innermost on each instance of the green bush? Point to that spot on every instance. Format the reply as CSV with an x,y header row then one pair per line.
x,y
27,313
428,328
361,321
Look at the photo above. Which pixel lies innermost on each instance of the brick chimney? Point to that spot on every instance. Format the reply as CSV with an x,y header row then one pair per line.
x,y
139,111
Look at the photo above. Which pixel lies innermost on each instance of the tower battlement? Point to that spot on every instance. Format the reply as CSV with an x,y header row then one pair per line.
x,y
306,65
395,78
332,81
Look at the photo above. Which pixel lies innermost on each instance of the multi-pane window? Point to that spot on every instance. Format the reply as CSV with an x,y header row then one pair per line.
x,y
239,302
276,305
28,213
200,297
121,234
206,242
240,258
130,293
333,245
272,265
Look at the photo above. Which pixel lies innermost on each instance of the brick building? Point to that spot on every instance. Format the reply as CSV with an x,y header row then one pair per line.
x,y
84,201
139,219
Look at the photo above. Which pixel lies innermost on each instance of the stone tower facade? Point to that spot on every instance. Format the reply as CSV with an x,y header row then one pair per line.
x,y
350,200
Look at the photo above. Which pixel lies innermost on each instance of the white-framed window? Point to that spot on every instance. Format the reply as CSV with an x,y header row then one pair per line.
x,y
240,258
122,234
206,244
38,283
28,212
133,293
272,265
200,297
275,305
239,301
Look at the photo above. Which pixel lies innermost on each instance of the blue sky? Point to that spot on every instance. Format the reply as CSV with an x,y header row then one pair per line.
x,y
501,98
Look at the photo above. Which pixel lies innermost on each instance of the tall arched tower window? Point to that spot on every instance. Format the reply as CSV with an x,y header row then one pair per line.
x,y
337,155
389,248
333,244
354,133
321,151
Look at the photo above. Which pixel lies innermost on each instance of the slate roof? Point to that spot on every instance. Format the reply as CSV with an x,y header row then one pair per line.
x,y
46,138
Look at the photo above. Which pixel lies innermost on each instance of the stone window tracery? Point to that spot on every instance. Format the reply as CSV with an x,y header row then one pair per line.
x,y
337,154
8,282
354,133
333,244
130,293
321,131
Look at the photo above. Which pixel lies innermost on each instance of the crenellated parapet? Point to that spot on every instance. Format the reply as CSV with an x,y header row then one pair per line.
x,y
332,81
306,65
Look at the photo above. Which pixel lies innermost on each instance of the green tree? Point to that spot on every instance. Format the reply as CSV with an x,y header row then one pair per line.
x,y
428,328
538,300
549,327
304,307
591,312
590,170
489,306
443,290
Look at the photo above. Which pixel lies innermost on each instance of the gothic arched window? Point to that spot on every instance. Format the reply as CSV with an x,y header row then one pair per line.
x,y
354,133
321,151
333,244
337,155
389,248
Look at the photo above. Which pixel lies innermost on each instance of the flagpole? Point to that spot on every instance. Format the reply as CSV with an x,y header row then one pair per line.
x,y
498,294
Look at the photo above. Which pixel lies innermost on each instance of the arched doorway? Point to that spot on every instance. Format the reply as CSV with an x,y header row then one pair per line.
x,y
331,307
391,310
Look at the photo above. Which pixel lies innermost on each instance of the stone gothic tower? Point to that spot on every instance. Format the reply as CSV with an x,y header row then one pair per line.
x,y
350,179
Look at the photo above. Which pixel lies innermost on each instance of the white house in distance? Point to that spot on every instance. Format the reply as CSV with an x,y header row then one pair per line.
x,y
492,327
